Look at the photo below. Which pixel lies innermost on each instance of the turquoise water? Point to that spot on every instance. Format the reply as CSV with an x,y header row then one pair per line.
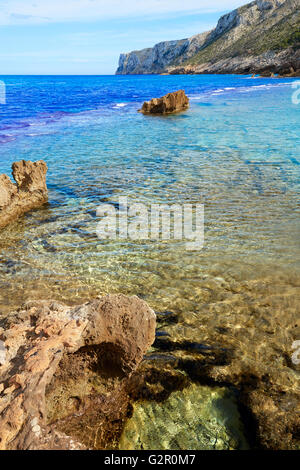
x,y
236,150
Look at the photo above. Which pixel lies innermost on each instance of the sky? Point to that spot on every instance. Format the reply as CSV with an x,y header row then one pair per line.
x,y
62,37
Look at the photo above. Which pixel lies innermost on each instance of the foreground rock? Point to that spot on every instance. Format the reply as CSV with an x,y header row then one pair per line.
x,y
58,360
168,104
29,192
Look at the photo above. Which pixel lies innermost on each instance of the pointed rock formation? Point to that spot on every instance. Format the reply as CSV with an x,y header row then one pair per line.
x,y
168,104
29,192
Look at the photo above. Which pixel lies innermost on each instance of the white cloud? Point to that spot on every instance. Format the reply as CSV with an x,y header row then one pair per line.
x,y
41,11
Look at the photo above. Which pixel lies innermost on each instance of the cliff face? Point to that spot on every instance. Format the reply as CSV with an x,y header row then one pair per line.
x,y
157,58
262,35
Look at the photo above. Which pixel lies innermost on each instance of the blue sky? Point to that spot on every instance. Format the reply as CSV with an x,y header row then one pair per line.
x,y
87,36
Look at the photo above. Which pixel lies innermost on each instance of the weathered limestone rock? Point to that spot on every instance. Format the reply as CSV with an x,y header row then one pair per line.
x,y
155,60
114,331
168,104
29,192
7,191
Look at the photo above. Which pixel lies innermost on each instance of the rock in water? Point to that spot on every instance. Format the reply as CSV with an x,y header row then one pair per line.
x,y
168,104
29,192
111,333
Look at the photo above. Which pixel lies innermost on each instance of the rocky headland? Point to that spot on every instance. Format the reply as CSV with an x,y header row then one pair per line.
x,y
260,37
174,102
29,192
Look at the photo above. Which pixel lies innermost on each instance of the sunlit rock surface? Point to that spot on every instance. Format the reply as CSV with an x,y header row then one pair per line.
x,y
51,351
171,103
29,192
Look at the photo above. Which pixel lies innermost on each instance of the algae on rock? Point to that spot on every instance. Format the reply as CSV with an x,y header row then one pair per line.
x,y
197,418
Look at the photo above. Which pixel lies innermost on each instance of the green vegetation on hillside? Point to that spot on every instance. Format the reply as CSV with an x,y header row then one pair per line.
x,y
276,37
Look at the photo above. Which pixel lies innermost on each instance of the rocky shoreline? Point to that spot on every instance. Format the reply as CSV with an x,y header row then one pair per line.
x,y
282,64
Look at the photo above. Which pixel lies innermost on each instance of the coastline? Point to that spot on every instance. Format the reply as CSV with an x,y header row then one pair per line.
x,y
149,229
265,66
259,37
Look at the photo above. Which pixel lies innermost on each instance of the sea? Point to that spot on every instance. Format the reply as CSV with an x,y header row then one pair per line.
x,y
236,151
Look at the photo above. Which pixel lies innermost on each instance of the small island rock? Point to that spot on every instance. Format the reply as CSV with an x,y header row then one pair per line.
x,y
168,104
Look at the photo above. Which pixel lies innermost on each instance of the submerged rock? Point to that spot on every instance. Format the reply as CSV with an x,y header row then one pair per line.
x,y
197,418
168,104
29,192
243,335
49,373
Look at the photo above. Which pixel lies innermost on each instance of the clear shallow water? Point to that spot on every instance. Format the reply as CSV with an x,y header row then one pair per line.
x,y
236,150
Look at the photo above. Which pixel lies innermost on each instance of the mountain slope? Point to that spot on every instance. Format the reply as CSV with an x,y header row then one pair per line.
x,y
263,35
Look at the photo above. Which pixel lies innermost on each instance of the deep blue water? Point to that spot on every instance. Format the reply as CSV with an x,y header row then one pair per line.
x,y
236,149
34,101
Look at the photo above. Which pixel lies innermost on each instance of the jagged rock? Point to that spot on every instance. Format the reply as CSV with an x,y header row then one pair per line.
x,y
168,104
7,191
115,329
29,192
260,35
